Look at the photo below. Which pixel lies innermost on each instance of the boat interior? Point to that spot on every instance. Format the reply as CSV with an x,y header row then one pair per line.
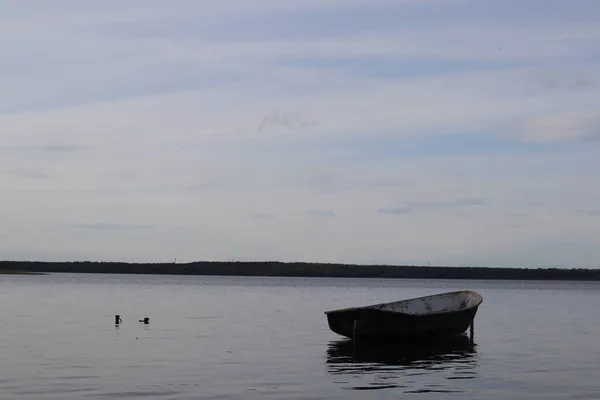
x,y
454,301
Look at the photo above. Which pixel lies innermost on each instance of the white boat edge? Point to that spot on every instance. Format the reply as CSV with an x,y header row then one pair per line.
x,y
439,303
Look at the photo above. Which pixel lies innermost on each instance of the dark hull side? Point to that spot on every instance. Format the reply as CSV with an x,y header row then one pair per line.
x,y
385,325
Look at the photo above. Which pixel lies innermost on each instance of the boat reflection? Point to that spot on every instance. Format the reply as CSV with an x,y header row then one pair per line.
x,y
422,367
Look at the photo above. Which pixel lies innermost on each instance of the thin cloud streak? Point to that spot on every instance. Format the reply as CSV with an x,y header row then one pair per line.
x,y
321,213
395,210
589,213
467,202
262,216
105,226
28,173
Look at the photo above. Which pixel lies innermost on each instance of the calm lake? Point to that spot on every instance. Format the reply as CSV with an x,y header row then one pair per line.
x,y
267,338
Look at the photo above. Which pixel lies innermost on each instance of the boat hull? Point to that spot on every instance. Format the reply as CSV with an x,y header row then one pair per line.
x,y
372,323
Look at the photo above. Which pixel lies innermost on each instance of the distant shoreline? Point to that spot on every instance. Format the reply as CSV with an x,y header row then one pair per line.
x,y
9,272
300,269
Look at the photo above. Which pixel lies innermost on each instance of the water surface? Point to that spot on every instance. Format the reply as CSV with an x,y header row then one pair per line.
x,y
267,338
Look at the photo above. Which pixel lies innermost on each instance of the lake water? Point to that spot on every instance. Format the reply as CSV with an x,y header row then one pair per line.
x,y
267,338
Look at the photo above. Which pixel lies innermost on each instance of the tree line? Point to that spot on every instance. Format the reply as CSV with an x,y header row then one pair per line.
x,y
302,269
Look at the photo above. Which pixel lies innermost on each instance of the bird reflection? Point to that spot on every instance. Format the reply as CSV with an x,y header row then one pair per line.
x,y
402,365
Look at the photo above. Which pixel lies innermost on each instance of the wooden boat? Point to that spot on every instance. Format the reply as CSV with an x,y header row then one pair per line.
x,y
423,318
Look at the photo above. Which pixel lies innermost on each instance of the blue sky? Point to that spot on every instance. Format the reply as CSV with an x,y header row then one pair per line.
x,y
447,132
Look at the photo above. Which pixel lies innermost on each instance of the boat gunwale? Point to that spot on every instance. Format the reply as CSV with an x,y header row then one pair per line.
x,y
371,308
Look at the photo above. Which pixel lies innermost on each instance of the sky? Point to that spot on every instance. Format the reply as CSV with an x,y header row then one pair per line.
x,y
440,132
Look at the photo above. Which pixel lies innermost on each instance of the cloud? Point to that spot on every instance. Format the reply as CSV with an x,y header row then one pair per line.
x,y
520,215
60,147
517,226
238,81
321,213
589,213
561,80
533,203
337,181
30,173
560,127
206,186
412,206
262,216
104,226
466,202
279,120
394,210
462,214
